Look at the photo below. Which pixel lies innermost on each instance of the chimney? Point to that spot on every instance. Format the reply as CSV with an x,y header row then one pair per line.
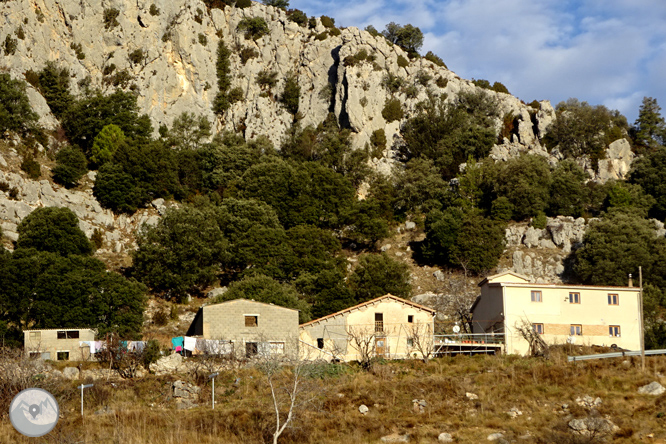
x,y
631,281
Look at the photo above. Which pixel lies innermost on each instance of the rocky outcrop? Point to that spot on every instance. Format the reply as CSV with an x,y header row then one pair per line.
x,y
176,71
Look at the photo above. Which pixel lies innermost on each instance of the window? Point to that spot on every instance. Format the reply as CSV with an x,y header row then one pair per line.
x,y
576,330
537,328
251,321
276,348
320,343
410,342
251,349
62,356
574,298
35,335
536,296
35,355
614,331
410,318
68,334
379,322
613,299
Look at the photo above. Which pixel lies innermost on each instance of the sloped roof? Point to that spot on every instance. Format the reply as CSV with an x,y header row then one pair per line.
x,y
371,302
249,300
499,275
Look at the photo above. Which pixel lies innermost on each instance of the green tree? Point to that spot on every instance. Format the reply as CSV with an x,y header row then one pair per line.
x,y
650,127
88,116
291,94
106,143
55,230
282,4
568,194
182,254
15,112
265,289
615,246
188,132
54,86
654,304
116,189
630,197
420,186
253,27
71,165
649,172
526,182
223,69
377,275
408,37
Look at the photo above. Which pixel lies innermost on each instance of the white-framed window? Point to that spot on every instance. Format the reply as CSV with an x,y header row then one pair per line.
x,y
536,296
537,328
574,298
276,348
410,342
251,320
613,299
35,335
576,330
614,331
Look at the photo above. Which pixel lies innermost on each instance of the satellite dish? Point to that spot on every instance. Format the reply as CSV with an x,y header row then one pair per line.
x,y
571,340
456,329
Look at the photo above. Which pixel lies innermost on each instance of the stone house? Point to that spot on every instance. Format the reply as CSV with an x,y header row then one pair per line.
x,y
579,314
253,328
387,326
61,344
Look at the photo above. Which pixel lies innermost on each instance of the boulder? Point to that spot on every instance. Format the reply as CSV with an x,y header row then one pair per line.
x,y
167,364
653,388
363,409
395,438
445,437
439,275
495,437
71,373
593,426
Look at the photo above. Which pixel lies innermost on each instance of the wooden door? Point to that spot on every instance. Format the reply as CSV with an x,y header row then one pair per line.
x,y
380,347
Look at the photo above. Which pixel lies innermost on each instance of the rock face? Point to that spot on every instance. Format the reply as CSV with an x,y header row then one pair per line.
x,y
167,364
176,72
653,388
185,394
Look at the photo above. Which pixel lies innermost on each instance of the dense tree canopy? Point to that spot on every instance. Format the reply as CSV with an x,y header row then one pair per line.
x,y
55,230
378,274
650,127
15,111
649,172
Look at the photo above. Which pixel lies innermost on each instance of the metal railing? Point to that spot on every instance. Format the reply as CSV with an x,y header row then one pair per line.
x,y
470,338
615,355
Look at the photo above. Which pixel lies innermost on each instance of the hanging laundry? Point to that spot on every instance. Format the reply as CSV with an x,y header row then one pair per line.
x,y
177,342
189,343
179,349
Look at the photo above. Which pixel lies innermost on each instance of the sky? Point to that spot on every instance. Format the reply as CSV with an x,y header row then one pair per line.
x,y
604,52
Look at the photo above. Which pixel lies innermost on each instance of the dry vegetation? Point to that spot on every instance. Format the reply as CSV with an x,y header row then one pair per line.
x,y
141,411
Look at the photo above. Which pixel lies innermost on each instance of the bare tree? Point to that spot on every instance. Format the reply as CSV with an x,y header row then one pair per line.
x,y
458,297
422,340
537,346
363,339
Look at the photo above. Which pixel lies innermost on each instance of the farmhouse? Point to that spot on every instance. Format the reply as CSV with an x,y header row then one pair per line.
x,y
580,314
73,344
252,328
387,326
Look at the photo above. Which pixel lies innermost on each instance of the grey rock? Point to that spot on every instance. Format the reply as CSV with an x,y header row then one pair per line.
x,y
409,225
532,237
514,412
363,409
167,364
3,162
471,396
495,437
439,275
653,388
216,292
445,437
593,426
71,373
395,438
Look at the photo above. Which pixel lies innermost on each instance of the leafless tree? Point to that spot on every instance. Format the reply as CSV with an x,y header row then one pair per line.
x,y
363,339
538,346
422,340
457,299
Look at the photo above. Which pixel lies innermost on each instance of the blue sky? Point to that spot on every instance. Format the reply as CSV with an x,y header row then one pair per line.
x,y
609,52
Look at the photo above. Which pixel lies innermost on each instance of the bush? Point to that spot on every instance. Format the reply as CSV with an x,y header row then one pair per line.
x,y
392,83
266,79
248,53
71,165
254,28
20,33
111,18
423,78
235,95
203,40
327,22
154,10
137,56
498,87
502,209
223,68
291,94
97,239
392,110
334,32
298,16
540,221
31,166
378,141
78,49
403,62
321,36
243,4
282,4
55,230
360,56
53,84
15,111
441,82
372,30
106,143
377,275
9,45
431,56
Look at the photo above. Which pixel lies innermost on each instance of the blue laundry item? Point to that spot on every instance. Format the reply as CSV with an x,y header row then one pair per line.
x,y
177,342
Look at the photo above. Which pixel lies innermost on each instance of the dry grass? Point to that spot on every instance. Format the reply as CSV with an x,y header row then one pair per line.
x,y
144,412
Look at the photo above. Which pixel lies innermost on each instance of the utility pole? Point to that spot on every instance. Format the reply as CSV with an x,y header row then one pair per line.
x,y
212,376
83,387
640,308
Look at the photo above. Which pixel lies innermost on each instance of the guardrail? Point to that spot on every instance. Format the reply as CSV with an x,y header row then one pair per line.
x,y
615,355
470,338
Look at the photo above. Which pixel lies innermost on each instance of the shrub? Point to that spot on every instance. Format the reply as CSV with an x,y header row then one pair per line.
x,y
151,353
535,104
282,4
539,221
441,82
392,110
203,40
20,33
248,53
235,95
243,4
55,230
403,62
198,17
106,143
410,91
121,78
137,56
291,94
31,166
312,23
253,28
13,193
435,59
267,79
71,165
223,68
9,45
298,16
378,141
111,18
78,49
334,32
161,317
53,84
372,30
360,56
392,83
321,36
498,87
154,10
327,22
97,239
502,209
423,77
